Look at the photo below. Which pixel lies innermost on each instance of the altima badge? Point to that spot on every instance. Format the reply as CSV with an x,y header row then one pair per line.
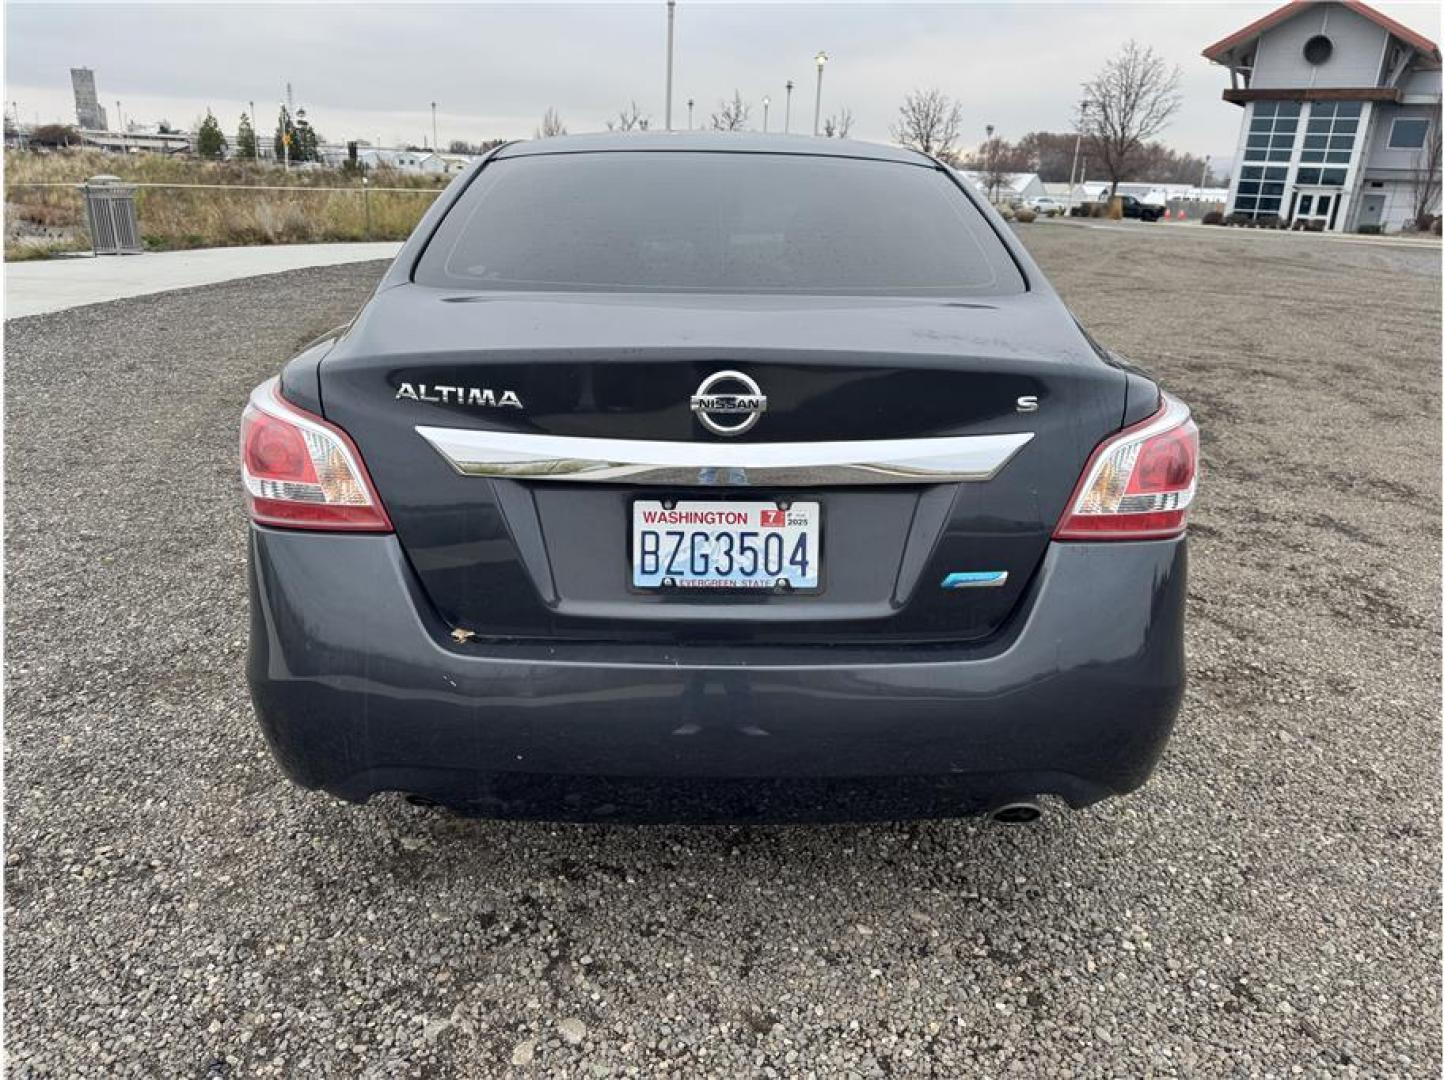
x,y
460,395
708,403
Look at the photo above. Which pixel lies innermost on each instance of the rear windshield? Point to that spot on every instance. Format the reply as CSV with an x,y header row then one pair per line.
x,y
671,221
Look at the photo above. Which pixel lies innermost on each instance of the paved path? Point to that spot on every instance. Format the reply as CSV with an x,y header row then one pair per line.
x,y
34,288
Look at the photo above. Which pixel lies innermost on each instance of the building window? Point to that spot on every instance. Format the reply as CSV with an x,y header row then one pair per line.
x,y
1322,177
1272,131
1408,134
1318,49
1329,140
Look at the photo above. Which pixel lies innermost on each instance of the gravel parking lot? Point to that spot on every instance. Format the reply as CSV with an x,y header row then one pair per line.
x,y
1268,905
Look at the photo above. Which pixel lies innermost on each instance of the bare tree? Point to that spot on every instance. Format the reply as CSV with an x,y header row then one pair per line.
x,y
838,125
1130,101
1427,174
995,158
930,121
731,115
630,119
551,125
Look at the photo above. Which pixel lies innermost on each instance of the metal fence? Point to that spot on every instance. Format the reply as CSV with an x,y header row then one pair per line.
x,y
110,210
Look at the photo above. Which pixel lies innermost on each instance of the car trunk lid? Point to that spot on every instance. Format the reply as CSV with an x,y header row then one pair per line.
x,y
546,557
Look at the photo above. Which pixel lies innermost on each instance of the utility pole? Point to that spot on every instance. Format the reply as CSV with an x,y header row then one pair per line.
x,y
1203,177
787,115
690,103
435,143
671,18
766,104
1078,145
821,59
120,126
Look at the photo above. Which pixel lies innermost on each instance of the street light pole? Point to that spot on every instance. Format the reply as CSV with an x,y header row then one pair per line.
x,y
255,132
821,59
435,145
1077,145
787,115
1203,177
988,162
690,103
671,19
766,103
120,126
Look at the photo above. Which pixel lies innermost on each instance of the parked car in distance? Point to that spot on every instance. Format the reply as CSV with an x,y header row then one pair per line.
x,y
716,477
1134,208
1047,205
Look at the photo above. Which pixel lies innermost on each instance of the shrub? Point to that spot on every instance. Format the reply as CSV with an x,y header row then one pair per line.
x,y
1269,221
1025,215
1080,210
1370,229
1435,229
1236,219
1006,211
1213,217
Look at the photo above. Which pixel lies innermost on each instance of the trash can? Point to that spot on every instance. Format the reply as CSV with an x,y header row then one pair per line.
x,y
110,209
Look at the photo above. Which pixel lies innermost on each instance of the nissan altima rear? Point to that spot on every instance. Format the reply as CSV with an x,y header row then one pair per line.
x,y
709,477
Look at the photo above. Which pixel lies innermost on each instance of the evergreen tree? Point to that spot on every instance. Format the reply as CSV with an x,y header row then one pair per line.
x,y
246,139
210,142
307,145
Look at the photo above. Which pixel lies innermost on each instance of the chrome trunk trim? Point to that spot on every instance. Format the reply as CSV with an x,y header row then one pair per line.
x,y
520,456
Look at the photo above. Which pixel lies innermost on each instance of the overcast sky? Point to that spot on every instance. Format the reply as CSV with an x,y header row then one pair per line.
x,y
371,70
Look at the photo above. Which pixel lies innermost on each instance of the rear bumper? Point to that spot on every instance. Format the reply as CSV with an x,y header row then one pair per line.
x,y
359,689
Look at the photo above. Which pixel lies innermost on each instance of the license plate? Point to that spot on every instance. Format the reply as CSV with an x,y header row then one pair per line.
x,y
714,544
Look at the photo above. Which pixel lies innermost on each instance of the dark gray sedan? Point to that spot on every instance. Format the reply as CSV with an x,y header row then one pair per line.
x,y
679,477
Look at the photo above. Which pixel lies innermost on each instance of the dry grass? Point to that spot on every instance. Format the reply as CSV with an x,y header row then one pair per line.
x,y
321,205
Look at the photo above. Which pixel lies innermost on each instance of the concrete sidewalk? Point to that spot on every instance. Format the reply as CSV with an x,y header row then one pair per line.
x,y
34,288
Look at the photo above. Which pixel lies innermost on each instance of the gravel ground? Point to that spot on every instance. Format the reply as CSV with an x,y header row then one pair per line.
x,y
1268,905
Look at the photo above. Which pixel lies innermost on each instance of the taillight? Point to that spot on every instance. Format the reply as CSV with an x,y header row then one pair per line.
x,y
1139,483
302,472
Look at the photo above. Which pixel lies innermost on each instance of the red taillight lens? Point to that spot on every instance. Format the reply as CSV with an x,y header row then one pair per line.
x,y
1139,483
302,472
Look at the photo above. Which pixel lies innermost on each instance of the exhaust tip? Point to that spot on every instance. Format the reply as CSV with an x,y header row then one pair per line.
x,y
1021,812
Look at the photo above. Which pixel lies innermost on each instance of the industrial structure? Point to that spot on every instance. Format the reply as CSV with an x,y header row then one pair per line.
x,y
89,114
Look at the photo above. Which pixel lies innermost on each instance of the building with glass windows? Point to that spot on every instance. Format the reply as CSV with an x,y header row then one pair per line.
x,y
1340,117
